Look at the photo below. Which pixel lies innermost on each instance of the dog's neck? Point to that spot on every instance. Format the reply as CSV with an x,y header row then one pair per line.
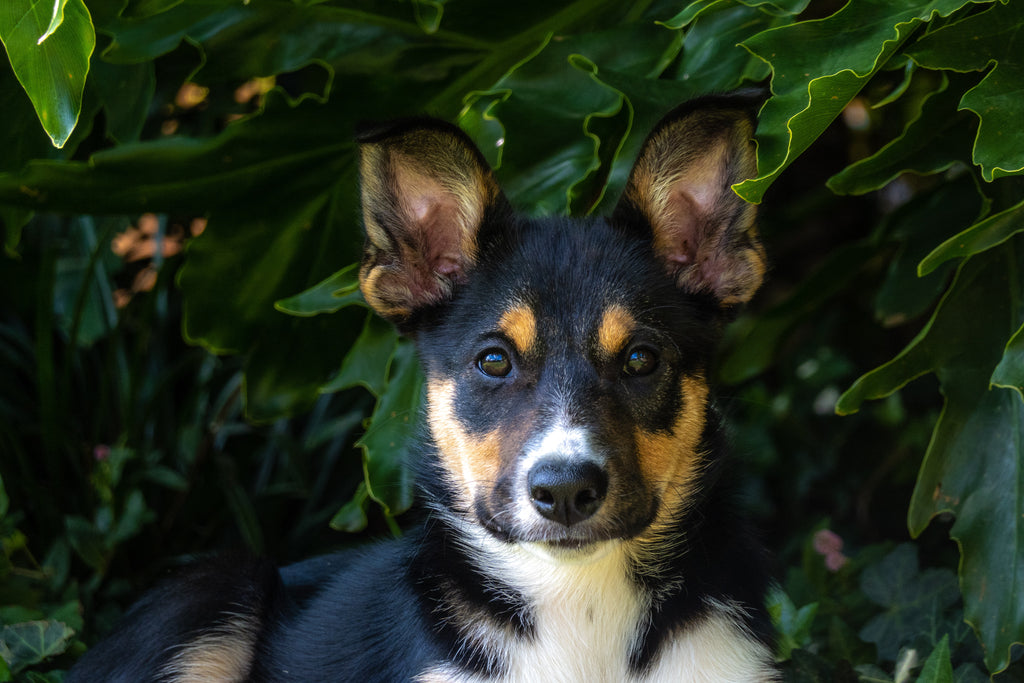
x,y
586,612
577,619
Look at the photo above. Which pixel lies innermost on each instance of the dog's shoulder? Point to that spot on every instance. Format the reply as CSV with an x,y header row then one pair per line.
x,y
357,615
203,623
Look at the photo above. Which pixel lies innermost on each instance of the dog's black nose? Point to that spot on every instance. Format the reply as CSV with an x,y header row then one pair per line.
x,y
567,492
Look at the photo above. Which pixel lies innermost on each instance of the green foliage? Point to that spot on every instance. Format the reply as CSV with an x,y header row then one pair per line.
x,y
119,441
49,49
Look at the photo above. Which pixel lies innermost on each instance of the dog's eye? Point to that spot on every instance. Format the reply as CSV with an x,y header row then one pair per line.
x,y
640,362
494,363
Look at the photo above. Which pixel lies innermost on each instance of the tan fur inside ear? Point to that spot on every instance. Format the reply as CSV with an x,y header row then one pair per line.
x,y
681,183
424,195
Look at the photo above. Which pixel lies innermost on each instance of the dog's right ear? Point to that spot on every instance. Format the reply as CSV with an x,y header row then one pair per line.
x,y
425,191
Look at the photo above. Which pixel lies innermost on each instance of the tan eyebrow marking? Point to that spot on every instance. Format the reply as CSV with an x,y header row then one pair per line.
x,y
615,329
520,324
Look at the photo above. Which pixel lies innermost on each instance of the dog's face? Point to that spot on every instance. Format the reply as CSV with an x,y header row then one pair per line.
x,y
565,359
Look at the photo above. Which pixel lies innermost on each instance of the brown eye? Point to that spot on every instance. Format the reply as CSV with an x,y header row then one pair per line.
x,y
494,363
640,362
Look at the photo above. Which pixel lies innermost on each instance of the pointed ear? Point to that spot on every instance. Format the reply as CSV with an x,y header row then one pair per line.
x,y
425,192
681,187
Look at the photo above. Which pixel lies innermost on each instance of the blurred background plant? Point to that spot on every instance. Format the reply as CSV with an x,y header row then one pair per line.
x,y
186,364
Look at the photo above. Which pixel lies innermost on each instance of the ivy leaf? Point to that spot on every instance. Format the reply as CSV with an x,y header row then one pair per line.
x,y
913,600
49,46
986,39
31,642
792,625
974,465
812,85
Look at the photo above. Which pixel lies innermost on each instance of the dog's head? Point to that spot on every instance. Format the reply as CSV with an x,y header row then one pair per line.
x,y
565,358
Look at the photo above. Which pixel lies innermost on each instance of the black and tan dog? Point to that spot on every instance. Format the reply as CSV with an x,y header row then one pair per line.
x,y
574,524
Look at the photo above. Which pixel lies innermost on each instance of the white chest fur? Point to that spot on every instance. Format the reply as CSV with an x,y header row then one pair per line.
x,y
586,620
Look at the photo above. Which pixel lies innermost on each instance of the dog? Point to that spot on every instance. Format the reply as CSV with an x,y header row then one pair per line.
x,y
575,521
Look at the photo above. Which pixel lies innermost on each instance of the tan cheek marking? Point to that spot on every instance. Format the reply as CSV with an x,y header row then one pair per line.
x,y
670,462
615,330
474,461
520,325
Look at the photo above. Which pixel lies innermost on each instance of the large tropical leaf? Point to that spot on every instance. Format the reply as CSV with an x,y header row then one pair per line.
x,y
974,466
988,39
813,84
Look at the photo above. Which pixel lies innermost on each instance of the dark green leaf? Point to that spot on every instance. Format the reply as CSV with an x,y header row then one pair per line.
x,y
240,505
698,7
975,43
167,478
327,296
126,91
134,516
918,225
369,360
812,85
90,543
21,135
540,165
983,235
1010,371
938,668
755,349
973,467
392,428
713,60
49,46
792,625
931,143
277,385
32,642
284,151
913,600
145,8
352,515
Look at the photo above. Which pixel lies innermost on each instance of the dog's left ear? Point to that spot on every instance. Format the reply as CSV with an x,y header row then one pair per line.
x,y
425,191
681,187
